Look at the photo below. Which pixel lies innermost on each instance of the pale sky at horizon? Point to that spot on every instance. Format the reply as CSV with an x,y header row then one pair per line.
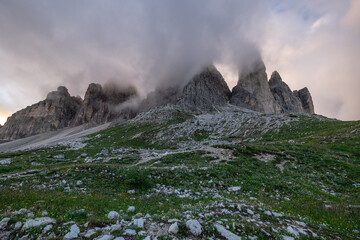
x,y
149,43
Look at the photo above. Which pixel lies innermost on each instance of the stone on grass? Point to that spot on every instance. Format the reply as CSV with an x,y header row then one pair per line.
x,y
74,232
174,228
292,231
139,222
113,215
250,212
119,238
115,227
5,161
89,233
225,233
194,227
31,223
268,213
4,223
234,189
60,156
105,237
288,238
47,228
18,225
130,232
131,209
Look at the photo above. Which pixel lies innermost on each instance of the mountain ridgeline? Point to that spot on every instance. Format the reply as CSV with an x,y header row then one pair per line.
x,y
205,92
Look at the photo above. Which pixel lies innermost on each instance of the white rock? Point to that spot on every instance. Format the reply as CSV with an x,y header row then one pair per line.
x,y
44,213
139,222
268,213
250,212
290,230
147,238
194,227
115,227
60,156
18,225
234,189
105,237
119,238
131,209
130,232
277,214
30,215
74,232
89,233
173,220
4,223
174,228
5,161
113,215
225,233
30,223
131,192
79,182
25,237
47,228
288,238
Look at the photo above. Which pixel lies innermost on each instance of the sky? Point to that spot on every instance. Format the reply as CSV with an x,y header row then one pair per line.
x,y
158,43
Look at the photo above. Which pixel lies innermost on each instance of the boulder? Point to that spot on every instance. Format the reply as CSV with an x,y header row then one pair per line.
x,y
286,99
253,91
73,233
31,223
226,233
174,228
194,227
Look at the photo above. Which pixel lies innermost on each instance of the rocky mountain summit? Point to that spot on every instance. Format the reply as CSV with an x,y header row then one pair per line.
x,y
253,91
205,92
60,110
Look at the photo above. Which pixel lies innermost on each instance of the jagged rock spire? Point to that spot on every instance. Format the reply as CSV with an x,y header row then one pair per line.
x,y
253,91
206,90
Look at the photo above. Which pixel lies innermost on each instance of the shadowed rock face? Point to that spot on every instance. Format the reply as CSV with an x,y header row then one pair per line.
x,y
253,91
55,112
306,100
206,90
285,98
160,97
99,105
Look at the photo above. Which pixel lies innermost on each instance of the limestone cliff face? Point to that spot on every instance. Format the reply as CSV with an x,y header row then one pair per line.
x,y
253,91
100,105
306,100
56,111
206,90
285,98
60,110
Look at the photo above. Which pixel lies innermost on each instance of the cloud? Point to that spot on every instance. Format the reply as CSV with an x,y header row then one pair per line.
x,y
320,52
156,43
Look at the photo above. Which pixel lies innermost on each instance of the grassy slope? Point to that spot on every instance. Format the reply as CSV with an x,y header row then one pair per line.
x,y
320,184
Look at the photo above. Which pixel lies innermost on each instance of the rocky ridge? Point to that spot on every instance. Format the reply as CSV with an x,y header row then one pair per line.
x,y
60,110
205,92
253,91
